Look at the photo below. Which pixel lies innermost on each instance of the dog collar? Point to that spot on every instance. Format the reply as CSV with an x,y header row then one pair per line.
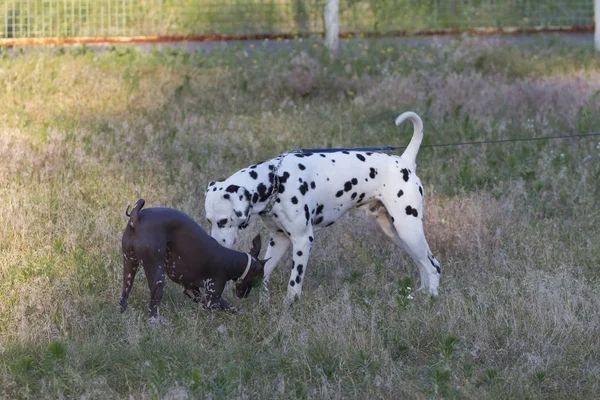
x,y
247,267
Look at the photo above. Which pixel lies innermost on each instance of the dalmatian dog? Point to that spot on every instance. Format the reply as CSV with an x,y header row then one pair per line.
x,y
300,192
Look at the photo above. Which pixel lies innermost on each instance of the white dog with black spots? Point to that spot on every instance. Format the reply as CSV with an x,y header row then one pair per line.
x,y
297,193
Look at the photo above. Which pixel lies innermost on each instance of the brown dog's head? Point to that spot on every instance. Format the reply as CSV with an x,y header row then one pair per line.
x,y
255,274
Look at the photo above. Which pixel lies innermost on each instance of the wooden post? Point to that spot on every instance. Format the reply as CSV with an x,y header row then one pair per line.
x,y
332,28
597,25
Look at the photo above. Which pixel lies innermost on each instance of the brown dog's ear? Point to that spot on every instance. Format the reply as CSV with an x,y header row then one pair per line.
x,y
264,262
256,244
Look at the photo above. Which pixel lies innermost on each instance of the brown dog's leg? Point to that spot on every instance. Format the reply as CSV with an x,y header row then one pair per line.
x,y
154,266
194,294
213,290
130,266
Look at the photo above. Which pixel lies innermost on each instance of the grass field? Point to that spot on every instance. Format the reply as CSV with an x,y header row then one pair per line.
x,y
515,225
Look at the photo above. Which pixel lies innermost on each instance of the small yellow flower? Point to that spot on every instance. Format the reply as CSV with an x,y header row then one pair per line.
x,y
315,46
233,99
254,61
368,67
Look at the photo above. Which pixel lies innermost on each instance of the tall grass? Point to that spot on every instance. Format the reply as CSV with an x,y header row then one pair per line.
x,y
515,225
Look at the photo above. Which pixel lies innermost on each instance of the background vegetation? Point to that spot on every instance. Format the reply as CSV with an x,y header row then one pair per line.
x,y
21,18
515,225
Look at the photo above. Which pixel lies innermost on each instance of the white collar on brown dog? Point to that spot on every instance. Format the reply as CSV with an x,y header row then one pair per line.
x,y
247,267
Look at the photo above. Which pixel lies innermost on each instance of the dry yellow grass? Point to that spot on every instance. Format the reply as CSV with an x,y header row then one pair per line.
x,y
515,225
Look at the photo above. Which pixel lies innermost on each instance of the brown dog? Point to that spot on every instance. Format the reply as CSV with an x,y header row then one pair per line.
x,y
168,242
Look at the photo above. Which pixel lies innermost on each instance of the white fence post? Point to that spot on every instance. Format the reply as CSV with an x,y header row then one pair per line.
x,y
597,24
332,28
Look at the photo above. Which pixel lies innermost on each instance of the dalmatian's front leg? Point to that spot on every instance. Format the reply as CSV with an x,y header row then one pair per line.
x,y
302,244
278,245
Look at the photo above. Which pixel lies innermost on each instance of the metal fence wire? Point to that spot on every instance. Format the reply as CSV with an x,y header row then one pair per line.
x,y
100,18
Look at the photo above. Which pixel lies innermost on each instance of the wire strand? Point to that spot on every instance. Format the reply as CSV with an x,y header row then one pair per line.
x,y
392,148
509,140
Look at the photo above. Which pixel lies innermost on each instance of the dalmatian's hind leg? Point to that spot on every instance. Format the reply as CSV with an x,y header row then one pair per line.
x,y
408,232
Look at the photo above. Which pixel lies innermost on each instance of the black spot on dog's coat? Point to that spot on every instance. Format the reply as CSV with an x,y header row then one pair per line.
x,y
339,193
294,200
253,174
345,152
405,174
226,196
255,197
319,209
262,191
283,178
232,188
373,173
353,195
313,185
319,220
306,213
300,269
421,190
412,211
361,157
298,279
299,253
303,188
310,239
302,167
292,283
437,267
400,193
348,186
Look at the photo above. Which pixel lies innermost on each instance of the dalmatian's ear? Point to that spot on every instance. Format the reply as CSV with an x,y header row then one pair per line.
x,y
256,244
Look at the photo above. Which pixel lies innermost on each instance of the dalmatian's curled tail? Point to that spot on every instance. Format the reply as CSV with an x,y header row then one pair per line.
x,y
410,154
134,215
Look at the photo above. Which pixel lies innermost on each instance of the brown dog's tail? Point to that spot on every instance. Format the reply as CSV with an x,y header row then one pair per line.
x,y
135,211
